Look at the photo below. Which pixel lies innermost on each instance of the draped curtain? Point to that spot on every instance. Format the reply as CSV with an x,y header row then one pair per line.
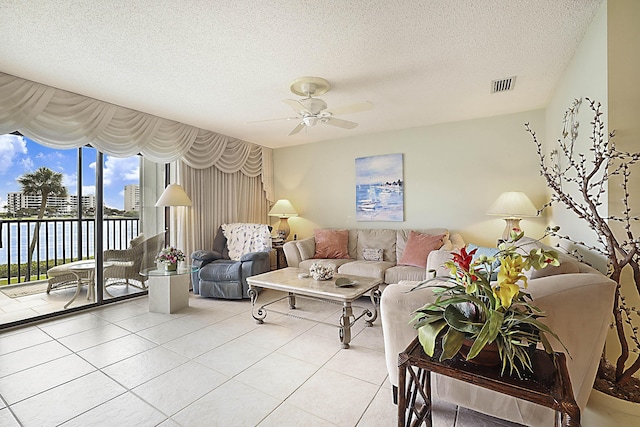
x,y
61,119
217,198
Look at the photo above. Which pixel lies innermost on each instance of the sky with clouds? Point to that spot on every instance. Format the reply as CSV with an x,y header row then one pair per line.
x,y
20,155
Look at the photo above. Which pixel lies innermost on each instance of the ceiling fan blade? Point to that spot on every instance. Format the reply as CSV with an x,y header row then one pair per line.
x,y
353,108
273,120
345,124
296,105
297,128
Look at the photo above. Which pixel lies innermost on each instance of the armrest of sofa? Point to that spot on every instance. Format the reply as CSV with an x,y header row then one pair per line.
x,y
292,254
202,258
299,250
435,263
396,306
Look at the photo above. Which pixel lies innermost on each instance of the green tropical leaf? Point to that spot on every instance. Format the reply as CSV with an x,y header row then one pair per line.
x,y
488,333
451,343
457,320
426,320
428,334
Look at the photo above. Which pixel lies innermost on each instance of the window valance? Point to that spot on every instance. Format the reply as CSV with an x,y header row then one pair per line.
x,y
61,119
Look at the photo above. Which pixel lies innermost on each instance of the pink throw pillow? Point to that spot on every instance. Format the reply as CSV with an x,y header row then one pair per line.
x,y
331,244
418,247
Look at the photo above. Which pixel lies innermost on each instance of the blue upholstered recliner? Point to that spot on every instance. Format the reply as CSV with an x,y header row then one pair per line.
x,y
221,276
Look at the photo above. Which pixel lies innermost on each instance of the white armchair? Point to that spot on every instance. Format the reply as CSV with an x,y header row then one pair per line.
x,y
578,306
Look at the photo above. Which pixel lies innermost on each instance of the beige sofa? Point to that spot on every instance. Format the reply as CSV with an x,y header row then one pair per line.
x,y
300,253
578,303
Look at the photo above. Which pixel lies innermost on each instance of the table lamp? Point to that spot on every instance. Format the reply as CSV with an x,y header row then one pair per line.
x,y
512,206
173,195
284,210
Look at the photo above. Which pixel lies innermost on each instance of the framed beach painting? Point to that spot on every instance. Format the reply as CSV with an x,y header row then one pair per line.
x,y
380,188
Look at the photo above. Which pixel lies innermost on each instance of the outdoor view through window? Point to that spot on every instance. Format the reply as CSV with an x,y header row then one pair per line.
x,y
47,224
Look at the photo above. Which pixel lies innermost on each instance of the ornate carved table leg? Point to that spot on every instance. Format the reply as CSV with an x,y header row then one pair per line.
x,y
261,313
375,299
345,325
292,300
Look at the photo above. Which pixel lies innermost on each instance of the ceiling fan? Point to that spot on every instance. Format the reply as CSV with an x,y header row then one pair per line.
x,y
311,111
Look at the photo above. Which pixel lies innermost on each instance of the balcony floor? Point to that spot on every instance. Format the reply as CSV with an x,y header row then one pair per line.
x,y
25,307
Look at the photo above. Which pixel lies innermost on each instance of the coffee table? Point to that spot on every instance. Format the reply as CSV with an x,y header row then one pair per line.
x,y
288,280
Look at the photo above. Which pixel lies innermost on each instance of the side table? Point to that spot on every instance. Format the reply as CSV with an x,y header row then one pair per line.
x,y
549,385
86,268
168,290
281,260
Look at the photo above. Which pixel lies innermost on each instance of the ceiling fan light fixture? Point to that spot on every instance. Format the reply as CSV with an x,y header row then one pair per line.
x,y
310,120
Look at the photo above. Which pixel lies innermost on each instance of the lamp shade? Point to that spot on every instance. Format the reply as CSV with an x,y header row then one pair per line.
x,y
283,209
513,204
174,195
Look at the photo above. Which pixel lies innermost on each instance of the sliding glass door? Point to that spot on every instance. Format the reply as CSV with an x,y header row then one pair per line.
x,y
69,221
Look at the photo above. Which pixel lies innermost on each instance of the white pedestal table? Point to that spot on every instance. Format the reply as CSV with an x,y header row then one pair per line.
x,y
168,290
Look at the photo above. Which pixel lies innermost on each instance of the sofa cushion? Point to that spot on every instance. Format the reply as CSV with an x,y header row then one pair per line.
x,y
221,270
418,247
402,237
366,268
220,243
399,273
482,250
376,238
331,244
306,247
371,254
568,264
333,263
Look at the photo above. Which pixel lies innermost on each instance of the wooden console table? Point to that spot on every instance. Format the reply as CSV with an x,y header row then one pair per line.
x,y
548,386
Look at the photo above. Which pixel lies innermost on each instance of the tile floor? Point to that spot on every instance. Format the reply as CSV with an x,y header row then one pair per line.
x,y
208,365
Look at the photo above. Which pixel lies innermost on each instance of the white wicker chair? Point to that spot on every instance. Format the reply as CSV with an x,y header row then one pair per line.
x,y
129,262
126,269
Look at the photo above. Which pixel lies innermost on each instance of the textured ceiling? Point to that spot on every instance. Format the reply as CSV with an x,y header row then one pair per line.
x,y
220,64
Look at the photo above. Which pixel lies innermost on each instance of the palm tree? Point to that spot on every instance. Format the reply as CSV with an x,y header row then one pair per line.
x,y
44,183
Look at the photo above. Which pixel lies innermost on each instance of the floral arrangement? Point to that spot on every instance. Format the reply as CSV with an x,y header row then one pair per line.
x,y
170,255
469,306
321,272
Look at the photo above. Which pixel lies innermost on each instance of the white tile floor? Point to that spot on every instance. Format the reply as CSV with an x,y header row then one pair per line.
x,y
208,365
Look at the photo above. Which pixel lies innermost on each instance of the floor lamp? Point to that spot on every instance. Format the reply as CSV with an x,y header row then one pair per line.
x,y
173,195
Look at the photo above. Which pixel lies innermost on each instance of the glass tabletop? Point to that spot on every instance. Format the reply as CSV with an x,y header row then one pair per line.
x,y
160,270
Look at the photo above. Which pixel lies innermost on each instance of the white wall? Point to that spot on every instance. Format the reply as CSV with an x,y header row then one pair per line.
x,y
586,76
453,172
623,97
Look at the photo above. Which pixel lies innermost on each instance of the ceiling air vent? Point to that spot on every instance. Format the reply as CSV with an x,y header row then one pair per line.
x,y
503,85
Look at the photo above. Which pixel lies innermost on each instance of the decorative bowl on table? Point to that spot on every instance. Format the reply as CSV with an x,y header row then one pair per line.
x,y
321,272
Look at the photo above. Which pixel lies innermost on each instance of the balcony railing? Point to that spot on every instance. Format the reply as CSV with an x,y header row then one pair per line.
x,y
59,241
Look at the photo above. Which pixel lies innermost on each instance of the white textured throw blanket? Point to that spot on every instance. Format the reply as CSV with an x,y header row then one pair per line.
x,y
243,238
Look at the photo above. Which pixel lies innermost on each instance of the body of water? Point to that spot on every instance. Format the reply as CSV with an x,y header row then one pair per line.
x,y
59,239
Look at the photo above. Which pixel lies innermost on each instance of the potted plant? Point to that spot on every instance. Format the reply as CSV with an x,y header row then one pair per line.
x,y
581,182
170,256
470,307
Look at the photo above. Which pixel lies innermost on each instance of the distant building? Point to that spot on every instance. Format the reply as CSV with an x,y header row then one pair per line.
x,y
64,205
131,198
